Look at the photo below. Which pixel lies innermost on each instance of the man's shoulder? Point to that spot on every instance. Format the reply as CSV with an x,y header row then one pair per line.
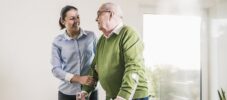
x,y
127,30
126,27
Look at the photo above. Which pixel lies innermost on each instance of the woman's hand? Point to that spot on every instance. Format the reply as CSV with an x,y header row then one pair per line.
x,y
86,80
83,80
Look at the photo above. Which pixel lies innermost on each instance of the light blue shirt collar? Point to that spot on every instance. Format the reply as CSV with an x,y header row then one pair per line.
x,y
70,38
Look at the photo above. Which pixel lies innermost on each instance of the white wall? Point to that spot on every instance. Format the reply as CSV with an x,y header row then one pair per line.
x,y
218,48
27,28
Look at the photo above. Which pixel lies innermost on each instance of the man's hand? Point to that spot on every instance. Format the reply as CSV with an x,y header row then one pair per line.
x,y
119,98
81,95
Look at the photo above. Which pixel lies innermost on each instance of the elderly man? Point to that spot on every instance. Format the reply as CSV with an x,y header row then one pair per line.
x,y
118,63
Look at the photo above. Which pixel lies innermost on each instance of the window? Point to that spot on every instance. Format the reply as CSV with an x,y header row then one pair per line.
x,y
172,55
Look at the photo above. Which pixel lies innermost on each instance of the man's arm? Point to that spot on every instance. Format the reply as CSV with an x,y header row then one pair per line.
x,y
133,58
92,72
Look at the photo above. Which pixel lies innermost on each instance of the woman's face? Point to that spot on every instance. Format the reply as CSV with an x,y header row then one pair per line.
x,y
72,20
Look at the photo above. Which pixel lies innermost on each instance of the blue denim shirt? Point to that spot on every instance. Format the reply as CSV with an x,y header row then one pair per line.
x,y
72,56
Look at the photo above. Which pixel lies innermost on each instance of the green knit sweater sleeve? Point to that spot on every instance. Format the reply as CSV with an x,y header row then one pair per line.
x,y
91,72
132,51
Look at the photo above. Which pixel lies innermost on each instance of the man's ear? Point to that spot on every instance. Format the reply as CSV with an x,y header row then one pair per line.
x,y
111,14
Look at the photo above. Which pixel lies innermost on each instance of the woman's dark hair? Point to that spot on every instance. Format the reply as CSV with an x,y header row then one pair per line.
x,y
64,10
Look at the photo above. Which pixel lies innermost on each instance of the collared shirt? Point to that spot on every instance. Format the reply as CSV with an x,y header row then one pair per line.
x,y
72,56
116,30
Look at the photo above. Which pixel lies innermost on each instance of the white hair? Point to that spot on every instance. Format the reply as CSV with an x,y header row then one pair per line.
x,y
113,7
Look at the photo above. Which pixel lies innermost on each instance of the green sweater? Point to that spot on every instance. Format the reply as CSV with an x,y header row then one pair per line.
x,y
116,59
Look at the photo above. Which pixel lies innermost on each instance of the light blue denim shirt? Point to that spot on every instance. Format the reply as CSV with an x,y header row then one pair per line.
x,y
72,56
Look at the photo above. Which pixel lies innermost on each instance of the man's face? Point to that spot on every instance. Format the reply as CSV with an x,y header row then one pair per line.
x,y
103,18
72,20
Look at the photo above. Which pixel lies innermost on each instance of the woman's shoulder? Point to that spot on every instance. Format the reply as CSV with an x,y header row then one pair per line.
x,y
58,37
90,33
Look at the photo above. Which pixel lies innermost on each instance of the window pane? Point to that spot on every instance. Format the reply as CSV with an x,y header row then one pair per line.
x,y
172,55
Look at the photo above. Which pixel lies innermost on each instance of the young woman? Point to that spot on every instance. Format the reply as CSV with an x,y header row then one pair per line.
x,y
72,53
